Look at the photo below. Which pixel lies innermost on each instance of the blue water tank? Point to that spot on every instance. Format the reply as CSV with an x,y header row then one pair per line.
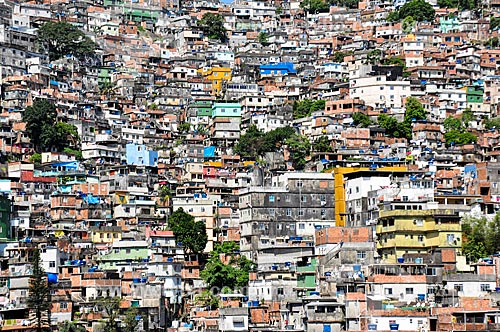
x,y
52,278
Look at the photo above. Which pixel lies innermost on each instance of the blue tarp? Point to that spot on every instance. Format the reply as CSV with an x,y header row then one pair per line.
x,y
209,152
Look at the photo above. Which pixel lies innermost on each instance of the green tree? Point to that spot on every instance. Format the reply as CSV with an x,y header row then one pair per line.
x,y
36,158
306,107
207,299
338,57
350,4
492,123
314,6
184,127
408,24
374,56
39,118
250,142
164,193
459,137
456,129
481,237
43,130
394,61
361,119
447,3
69,326
130,320
419,10
263,37
38,300
191,233
213,26
492,42
72,152
494,22
452,124
299,147
393,16
227,276
467,117
414,110
322,144
110,307
63,38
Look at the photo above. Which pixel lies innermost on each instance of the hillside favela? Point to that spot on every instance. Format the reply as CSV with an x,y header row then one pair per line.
x,y
249,165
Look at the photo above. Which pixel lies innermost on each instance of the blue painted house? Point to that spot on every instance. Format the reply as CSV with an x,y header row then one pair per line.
x,y
138,154
280,68
226,110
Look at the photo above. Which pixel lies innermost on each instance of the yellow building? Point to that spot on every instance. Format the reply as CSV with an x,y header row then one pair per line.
x,y
415,228
217,76
105,234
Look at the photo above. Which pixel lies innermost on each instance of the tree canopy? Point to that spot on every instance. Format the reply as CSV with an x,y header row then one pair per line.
x,y
230,274
456,129
68,326
481,237
306,107
322,144
192,234
314,6
255,143
361,119
494,22
38,300
130,321
62,38
263,37
43,129
419,10
213,26
414,111
110,307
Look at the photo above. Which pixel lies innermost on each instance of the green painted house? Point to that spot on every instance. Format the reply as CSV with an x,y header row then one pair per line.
x,y
306,278
122,253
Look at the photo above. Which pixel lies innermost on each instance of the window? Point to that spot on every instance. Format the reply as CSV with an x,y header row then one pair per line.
x,y
280,291
303,199
64,305
52,264
459,287
450,238
485,287
322,198
300,184
323,212
272,212
301,213
302,226
271,198
420,238
288,212
361,254
409,291
388,291
287,198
